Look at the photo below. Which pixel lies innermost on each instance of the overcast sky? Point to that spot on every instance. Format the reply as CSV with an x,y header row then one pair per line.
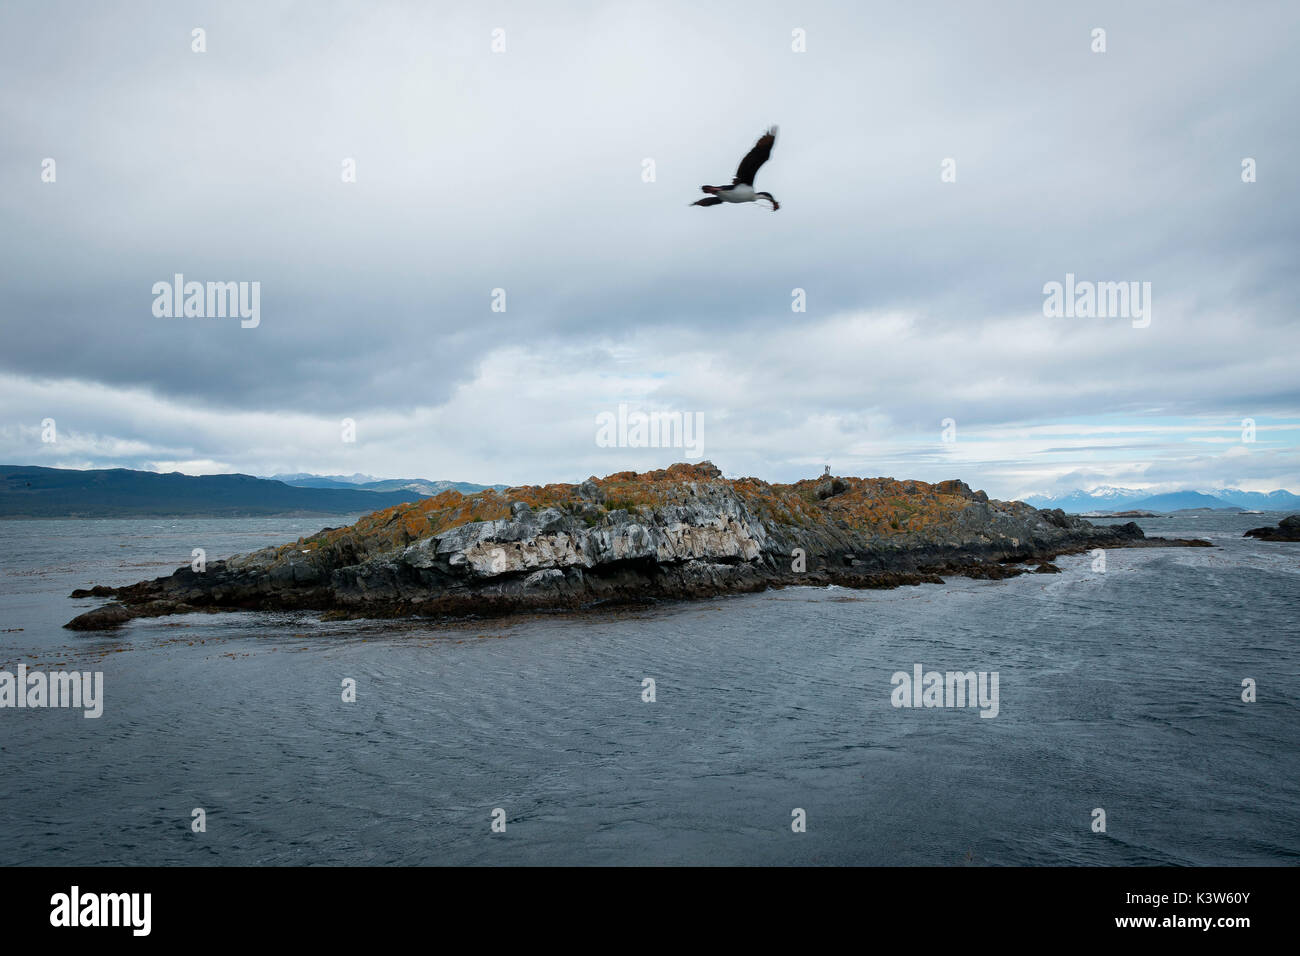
x,y
524,170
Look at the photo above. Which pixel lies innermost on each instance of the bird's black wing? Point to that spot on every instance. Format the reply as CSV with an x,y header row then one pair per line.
x,y
755,158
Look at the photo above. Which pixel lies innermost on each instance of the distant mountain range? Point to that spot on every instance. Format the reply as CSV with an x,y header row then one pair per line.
x,y
1127,499
31,492
421,486
35,492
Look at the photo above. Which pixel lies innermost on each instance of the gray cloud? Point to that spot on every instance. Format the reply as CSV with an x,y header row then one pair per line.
x,y
522,171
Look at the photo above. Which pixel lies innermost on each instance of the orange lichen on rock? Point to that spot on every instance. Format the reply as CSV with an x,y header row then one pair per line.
x,y
678,532
882,507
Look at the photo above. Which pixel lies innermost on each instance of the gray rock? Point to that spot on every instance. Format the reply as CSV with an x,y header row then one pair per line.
x,y
691,538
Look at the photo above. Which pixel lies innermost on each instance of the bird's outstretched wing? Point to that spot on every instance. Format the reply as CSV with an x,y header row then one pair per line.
x,y
755,158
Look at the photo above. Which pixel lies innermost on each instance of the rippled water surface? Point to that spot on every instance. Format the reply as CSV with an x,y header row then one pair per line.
x,y
1119,690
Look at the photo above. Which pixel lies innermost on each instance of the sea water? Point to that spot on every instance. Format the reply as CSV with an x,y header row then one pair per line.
x,y
756,729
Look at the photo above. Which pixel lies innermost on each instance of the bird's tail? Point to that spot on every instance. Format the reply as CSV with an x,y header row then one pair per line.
x,y
712,190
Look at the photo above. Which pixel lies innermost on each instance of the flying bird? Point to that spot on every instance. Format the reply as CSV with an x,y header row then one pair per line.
x,y
742,187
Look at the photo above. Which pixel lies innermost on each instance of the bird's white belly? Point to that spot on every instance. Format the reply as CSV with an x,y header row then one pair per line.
x,y
741,193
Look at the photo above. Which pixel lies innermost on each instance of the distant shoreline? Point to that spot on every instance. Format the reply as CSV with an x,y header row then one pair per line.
x,y
187,516
29,491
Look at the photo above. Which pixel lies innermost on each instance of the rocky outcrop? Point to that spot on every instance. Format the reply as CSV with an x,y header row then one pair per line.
x,y
1288,529
682,532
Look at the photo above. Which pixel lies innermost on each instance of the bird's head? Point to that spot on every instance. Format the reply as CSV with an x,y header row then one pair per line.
x,y
768,196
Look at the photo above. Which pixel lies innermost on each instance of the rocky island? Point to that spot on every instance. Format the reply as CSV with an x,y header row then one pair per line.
x,y
1288,529
681,532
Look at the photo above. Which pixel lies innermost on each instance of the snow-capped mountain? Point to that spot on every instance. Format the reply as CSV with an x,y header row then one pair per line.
x,y
1107,498
1260,500
1104,498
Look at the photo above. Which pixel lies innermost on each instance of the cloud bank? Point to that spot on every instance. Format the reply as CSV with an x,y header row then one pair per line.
x,y
524,171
